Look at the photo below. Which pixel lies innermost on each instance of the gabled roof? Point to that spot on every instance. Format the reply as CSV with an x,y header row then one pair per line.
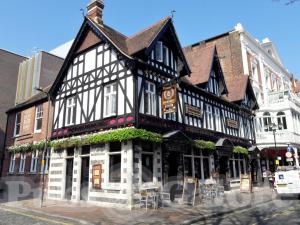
x,y
200,59
143,39
127,46
237,87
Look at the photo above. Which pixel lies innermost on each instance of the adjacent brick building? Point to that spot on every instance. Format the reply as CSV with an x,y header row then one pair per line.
x,y
9,64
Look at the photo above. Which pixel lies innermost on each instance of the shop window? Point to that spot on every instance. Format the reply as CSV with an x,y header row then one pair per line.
x,y
85,150
70,111
38,118
150,98
147,167
281,121
70,151
17,124
206,170
22,162
198,168
188,170
110,100
115,162
34,161
12,163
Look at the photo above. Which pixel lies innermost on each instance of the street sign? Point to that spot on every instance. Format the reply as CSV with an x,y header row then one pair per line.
x,y
277,162
279,158
290,160
288,155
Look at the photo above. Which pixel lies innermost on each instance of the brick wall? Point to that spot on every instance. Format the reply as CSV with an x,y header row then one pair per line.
x,y
230,53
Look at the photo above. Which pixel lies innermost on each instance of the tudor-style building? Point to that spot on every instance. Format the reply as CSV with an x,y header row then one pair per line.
x,y
112,83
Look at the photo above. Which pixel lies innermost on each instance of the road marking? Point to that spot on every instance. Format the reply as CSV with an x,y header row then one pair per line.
x,y
35,217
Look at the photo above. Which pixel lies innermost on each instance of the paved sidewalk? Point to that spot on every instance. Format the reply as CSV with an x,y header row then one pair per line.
x,y
175,214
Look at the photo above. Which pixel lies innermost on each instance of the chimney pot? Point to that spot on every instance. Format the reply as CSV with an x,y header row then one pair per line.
x,y
95,11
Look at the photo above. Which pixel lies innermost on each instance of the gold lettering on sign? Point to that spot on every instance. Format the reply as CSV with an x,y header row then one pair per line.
x,y
193,111
232,123
169,99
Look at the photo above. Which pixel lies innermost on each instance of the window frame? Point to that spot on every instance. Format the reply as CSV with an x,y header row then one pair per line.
x,y
159,52
113,153
34,161
108,98
151,98
22,163
17,124
72,107
46,157
12,163
39,111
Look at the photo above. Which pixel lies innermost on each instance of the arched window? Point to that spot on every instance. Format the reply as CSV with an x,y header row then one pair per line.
x,y
281,121
267,121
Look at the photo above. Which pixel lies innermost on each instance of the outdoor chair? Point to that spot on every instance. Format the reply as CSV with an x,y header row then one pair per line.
x,y
148,198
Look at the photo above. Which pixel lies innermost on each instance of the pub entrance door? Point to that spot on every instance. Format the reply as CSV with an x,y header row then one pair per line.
x,y
69,179
84,181
174,172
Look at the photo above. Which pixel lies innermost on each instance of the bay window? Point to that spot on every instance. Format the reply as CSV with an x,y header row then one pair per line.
x,y
110,100
281,119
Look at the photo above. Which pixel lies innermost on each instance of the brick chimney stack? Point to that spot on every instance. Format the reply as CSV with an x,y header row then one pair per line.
x,y
95,11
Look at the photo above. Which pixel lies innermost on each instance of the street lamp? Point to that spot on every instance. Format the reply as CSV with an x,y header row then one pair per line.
x,y
46,144
273,127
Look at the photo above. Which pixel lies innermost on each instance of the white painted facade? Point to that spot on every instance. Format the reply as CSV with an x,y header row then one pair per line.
x,y
273,86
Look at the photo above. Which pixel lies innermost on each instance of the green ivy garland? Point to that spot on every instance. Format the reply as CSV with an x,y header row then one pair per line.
x,y
240,150
110,136
208,145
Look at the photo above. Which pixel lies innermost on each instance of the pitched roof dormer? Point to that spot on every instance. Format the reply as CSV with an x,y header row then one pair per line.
x,y
240,91
204,62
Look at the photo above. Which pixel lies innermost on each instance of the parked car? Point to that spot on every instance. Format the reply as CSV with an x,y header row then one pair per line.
x,y
287,180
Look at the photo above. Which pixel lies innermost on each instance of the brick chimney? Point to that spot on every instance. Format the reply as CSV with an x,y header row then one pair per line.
x,y
95,11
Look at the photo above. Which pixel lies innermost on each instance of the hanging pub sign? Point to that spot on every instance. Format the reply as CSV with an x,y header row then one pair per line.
x,y
169,99
193,111
97,171
232,123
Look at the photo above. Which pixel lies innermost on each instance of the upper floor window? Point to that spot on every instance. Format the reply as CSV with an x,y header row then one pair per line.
x,y
218,119
17,124
38,118
209,115
110,100
281,121
213,86
159,51
150,98
166,55
70,112
267,121
162,54
254,68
